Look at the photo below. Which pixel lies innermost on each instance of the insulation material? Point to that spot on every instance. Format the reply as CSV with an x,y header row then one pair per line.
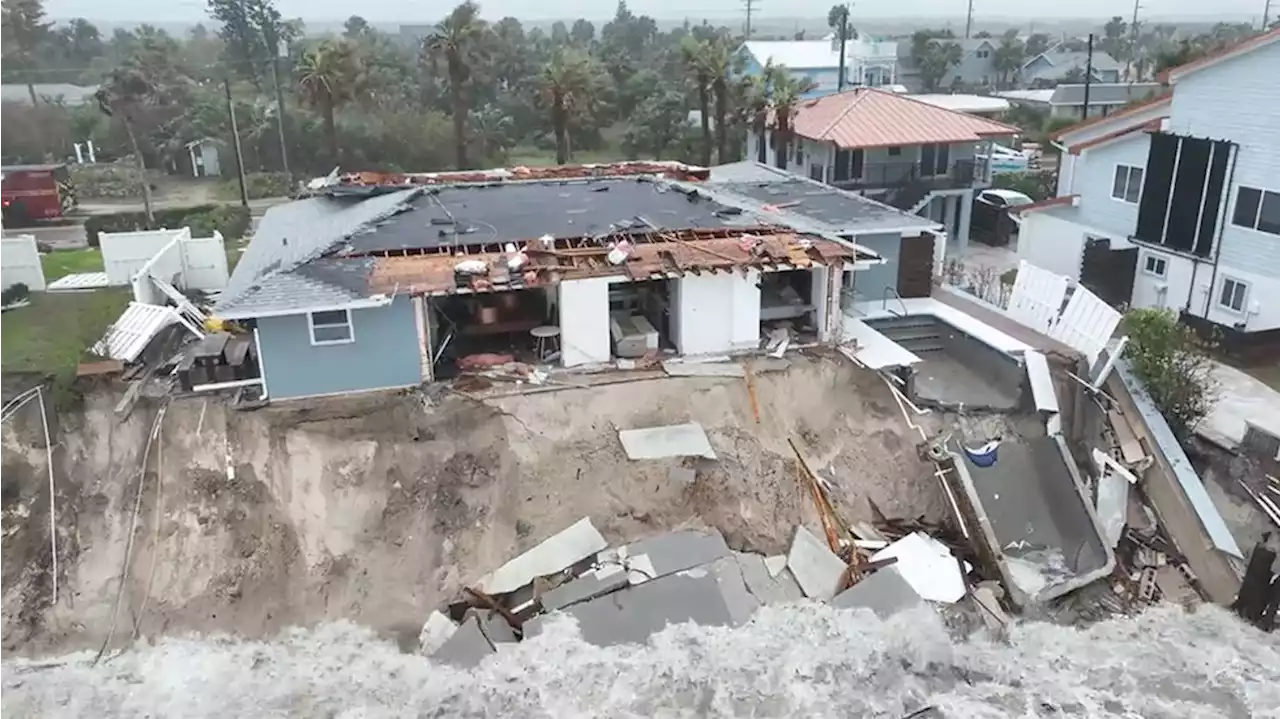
x,y
1113,503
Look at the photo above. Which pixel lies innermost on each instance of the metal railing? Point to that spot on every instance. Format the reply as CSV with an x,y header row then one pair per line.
x,y
883,175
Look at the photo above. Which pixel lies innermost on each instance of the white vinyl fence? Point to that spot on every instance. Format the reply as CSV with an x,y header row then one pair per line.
x,y
20,263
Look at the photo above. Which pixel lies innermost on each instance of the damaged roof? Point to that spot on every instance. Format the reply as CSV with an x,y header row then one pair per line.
x,y
826,208
343,247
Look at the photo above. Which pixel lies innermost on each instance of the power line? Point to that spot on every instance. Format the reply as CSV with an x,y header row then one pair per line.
x,y
750,9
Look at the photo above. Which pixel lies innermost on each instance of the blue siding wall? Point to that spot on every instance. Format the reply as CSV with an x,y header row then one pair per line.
x,y
869,284
385,353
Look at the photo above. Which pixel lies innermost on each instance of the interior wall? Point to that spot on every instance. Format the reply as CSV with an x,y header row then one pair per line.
x,y
584,321
703,306
746,310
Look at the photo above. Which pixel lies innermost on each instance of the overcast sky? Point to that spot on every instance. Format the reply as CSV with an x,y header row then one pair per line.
x,y
399,10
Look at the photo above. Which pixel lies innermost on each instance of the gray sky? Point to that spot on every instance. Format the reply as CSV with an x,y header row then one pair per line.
x,y
399,10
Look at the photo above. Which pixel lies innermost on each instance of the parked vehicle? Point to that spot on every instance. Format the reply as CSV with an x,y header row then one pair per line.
x,y
992,222
31,193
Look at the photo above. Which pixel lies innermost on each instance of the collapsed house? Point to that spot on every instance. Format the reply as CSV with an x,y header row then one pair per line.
x,y
381,282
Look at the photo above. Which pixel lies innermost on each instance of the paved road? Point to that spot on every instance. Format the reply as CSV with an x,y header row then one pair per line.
x,y
71,236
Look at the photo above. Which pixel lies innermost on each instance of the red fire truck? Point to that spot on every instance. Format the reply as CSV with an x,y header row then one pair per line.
x,y
35,192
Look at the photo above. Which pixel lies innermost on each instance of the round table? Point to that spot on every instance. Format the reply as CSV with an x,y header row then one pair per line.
x,y
546,340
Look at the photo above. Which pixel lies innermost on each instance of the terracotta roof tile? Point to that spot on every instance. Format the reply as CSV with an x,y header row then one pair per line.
x,y
864,117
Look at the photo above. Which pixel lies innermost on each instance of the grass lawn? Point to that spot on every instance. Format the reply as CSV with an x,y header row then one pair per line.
x,y
52,333
61,263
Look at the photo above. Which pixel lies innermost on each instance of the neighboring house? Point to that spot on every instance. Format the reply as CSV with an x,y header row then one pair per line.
x,y
868,62
915,156
977,66
1067,101
981,105
1056,65
369,287
1176,203
48,93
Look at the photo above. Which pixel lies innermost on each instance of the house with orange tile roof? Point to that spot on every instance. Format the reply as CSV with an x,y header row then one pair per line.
x,y
918,157
382,281
1175,202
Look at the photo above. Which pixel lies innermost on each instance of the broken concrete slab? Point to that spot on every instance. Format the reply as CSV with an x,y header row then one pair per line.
x,y
767,587
814,566
495,627
884,592
770,364
466,648
1042,392
592,584
703,369
564,549
665,554
775,564
988,604
435,632
634,614
674,440
928,566
738,598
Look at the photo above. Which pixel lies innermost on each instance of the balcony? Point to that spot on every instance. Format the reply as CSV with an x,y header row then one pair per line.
x,y
893,175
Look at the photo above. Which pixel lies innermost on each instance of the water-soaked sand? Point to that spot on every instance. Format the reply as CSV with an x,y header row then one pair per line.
x,y
795,661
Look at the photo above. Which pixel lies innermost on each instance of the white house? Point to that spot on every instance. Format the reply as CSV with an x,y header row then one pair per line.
x,y
1181,194
866,61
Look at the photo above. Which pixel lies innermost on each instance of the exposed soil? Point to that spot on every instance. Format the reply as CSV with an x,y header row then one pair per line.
x,y
376,509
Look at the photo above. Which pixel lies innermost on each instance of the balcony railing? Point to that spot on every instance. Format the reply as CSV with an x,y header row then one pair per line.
x,y
889,175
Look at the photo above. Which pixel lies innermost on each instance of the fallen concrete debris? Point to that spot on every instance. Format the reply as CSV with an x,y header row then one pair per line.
x,y
676,440
928,566
665,554
466,648
703,369
815,567
884,592
560,551
435,632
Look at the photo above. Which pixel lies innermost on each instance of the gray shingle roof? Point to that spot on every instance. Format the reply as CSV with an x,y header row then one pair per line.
x,y
1104,93
294,233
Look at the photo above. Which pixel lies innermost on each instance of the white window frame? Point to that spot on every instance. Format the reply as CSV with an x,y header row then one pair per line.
x,y
1148,259
350,325
1129,170
1244,298
1257,215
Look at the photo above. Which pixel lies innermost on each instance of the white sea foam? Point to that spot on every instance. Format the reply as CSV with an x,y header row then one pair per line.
x,y
800,660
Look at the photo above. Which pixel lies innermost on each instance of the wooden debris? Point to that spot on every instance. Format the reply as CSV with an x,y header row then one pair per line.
x,y
1130,448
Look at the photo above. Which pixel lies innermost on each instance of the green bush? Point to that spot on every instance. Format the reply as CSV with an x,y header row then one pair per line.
x,y
115,180
231,220
1174,364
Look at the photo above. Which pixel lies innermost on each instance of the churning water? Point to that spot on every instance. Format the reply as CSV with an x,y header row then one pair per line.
x,y
792,661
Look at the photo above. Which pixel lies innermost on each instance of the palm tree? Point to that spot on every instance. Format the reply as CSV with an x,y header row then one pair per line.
x,y
1008,57
785,94
25,30
719,61
694,54
123,94
458,40
568,88
329,76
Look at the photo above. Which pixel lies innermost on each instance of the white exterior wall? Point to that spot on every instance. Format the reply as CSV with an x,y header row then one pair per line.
x,y
1170,291
204,263
20,263
1093,177
715,313
584,321
1261,311
1239,99
1051,243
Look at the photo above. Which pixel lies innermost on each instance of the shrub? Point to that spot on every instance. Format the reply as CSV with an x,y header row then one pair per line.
x,y
114,180
1174,364
14,293
231,220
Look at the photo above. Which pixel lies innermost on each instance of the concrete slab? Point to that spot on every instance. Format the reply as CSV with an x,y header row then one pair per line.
x,y
927,566
767,587
558,552
884,592
676,440
667,553
1241,399
775,564
435,632
703,369
466,648
682,476
871,349
495,628
950,381
633,615
738,598
814,566
1042,393
590,585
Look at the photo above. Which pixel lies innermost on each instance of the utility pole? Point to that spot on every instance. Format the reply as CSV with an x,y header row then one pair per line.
x,y
1088,79
235,138
1133,40
1266,14
968,21
751,6
277,50
844,38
